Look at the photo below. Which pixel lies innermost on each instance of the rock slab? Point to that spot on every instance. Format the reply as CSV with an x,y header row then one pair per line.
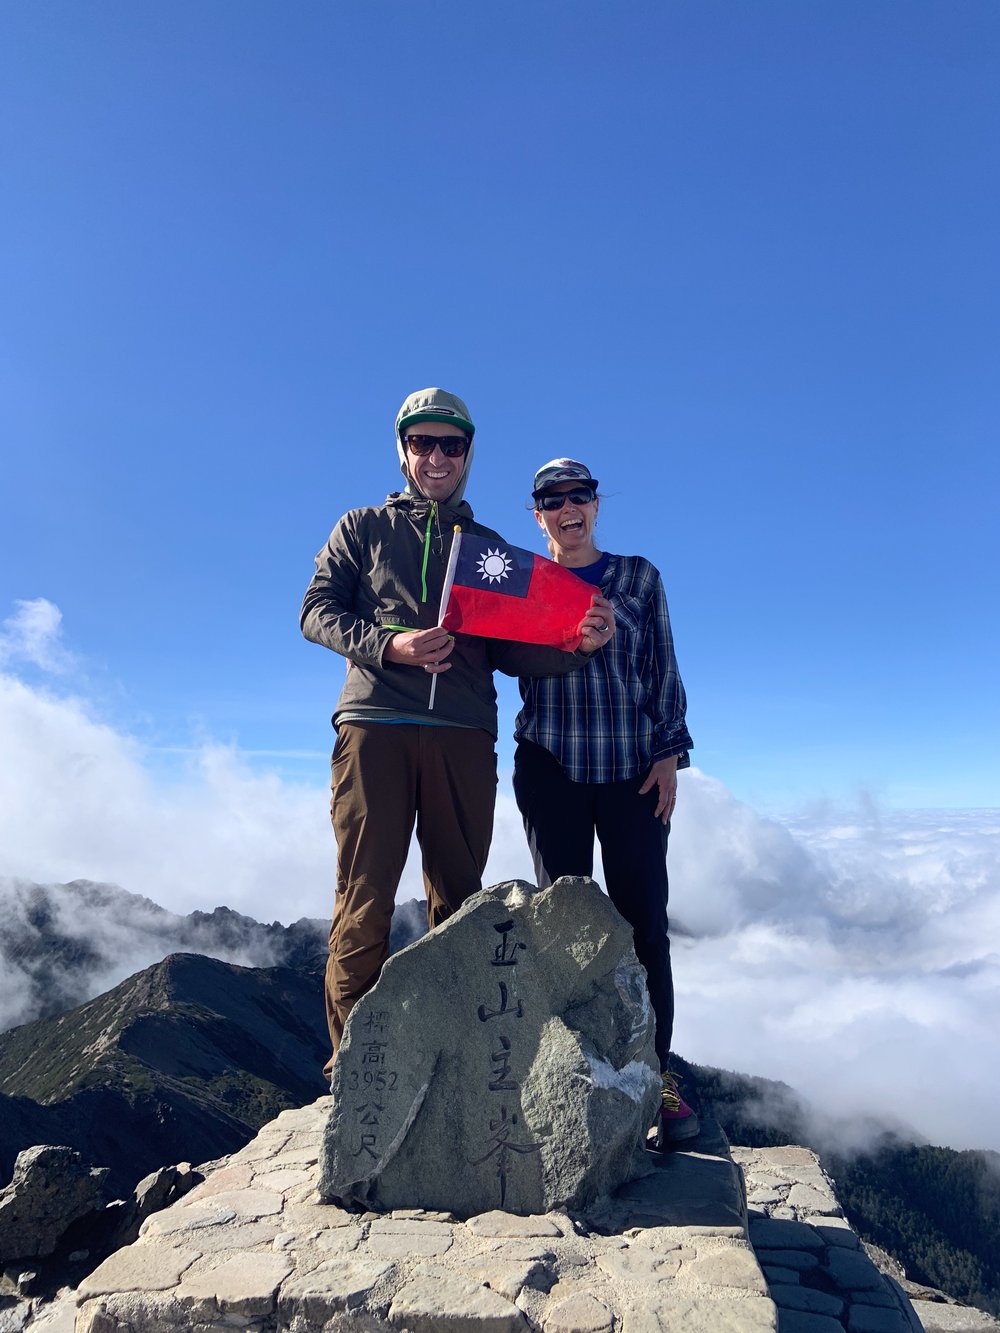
x,y
504,1061
51,1187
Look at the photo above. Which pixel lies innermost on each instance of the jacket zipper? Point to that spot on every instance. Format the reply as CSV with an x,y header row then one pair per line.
x,y
431,515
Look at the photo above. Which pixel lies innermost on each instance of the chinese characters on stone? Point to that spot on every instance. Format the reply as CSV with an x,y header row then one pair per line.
x,y
503,1121
373,1078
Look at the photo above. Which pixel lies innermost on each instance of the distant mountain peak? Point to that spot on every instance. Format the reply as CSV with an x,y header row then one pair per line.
x,y
62,944
191,1050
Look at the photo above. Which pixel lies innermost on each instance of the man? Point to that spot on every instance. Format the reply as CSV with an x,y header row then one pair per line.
x,y
375,599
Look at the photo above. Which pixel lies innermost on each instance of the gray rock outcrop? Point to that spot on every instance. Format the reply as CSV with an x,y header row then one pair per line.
x,y
158,1190
505,1060
50,1189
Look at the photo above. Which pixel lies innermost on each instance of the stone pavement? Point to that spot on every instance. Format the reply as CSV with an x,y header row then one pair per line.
x,y
251,1249
818,1275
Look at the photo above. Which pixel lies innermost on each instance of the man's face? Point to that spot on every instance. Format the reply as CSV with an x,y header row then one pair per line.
x,y
435,475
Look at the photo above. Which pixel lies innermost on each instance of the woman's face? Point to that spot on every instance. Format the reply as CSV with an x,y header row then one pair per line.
x,y
570,528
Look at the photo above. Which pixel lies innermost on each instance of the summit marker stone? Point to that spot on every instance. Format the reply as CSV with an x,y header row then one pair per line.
x,y
504,1061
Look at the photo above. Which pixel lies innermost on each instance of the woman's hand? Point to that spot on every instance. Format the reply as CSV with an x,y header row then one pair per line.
x,y
425,648
663,775
598,625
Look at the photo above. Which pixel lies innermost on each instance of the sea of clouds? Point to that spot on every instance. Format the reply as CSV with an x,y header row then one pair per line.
x,y
852,954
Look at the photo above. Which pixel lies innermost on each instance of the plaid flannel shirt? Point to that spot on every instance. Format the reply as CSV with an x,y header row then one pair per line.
x,y
617,715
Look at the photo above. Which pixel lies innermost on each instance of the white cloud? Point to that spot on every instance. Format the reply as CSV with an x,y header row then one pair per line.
x,y
62,944
33,634
854,957
77,802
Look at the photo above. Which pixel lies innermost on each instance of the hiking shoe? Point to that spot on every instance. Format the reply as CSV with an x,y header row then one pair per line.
x,y
675,1121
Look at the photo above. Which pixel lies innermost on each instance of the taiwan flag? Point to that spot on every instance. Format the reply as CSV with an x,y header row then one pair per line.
x,y
505,593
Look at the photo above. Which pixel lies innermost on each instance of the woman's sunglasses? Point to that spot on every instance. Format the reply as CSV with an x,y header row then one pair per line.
x,y
550,503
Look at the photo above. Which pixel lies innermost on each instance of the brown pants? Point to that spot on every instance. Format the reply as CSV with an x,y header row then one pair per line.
x,y
385,776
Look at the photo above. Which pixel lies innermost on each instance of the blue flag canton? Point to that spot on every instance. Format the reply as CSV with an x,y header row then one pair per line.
x,y
490,565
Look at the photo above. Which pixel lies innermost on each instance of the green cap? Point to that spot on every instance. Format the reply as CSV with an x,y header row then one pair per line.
x,y
434,405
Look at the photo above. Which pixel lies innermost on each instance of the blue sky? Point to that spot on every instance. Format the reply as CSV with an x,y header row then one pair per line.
x,y
740,258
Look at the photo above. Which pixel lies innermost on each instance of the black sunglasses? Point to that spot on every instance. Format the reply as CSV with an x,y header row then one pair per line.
x,y
552,502
452,446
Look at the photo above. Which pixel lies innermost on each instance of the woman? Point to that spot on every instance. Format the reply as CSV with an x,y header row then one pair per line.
x,y
598,751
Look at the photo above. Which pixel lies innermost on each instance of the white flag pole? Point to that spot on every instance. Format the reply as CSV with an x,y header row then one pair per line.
x,y
449,579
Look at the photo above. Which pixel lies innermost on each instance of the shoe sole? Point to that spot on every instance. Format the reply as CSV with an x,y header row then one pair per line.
x,y
680,1132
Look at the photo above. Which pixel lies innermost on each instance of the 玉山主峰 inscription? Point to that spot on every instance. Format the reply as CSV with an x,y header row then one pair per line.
x,y
503,1119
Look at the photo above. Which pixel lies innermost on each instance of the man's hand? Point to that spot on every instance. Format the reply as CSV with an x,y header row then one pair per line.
x,y
663,775
425,648
598,625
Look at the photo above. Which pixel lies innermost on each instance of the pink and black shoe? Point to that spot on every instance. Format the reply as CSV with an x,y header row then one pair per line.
x,y
675,1121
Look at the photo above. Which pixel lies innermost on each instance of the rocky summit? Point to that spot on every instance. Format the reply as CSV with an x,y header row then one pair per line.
x,y
505,1060
675,1251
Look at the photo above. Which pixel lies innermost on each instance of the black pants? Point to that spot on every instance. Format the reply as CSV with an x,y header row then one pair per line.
x,y
560,818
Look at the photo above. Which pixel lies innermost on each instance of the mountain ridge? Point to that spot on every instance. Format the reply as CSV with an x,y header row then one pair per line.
x,y
186,1058
64,944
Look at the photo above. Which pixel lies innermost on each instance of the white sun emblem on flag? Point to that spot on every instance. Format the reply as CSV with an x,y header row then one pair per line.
x,y
494,566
